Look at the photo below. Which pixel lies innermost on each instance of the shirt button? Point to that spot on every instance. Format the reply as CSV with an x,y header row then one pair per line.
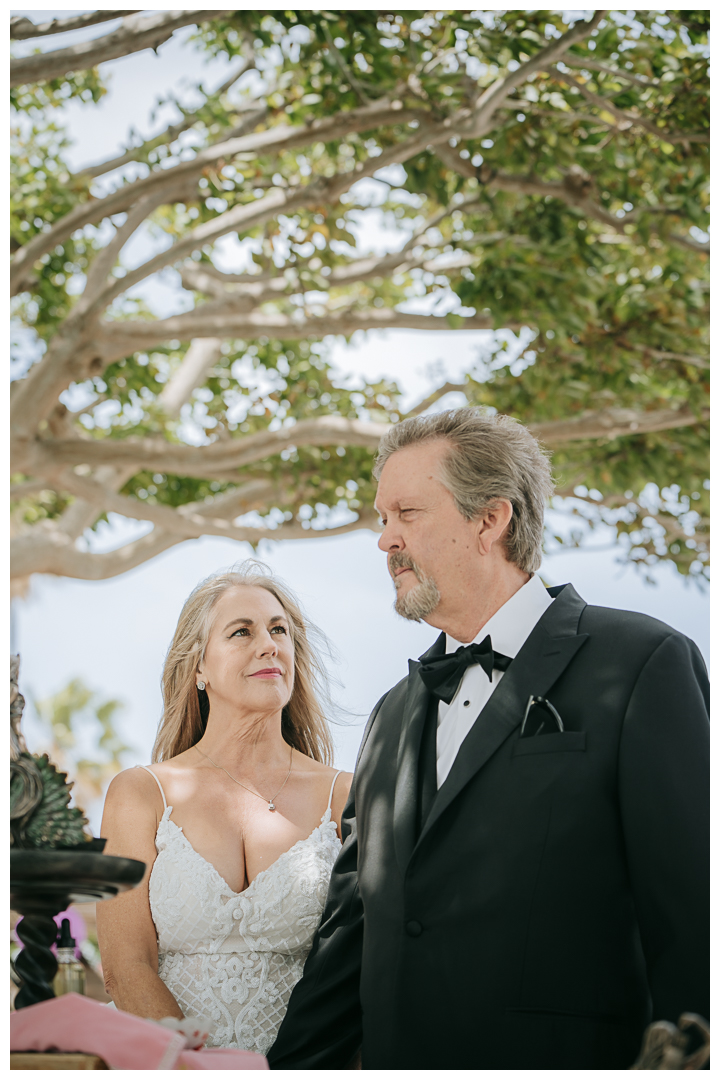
x,y
466,703
413,929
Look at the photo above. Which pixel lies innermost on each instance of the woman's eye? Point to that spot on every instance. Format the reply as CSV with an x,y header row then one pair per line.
x,y
243,630
281,629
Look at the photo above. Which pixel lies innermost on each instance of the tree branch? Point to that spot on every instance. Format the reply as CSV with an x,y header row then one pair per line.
x,y
241,293
229,454
573,190
166,137
626,119
122,337
661,354
613,424
28,487
203,354
493,97
157,455
135,34
320,191
347,73
206,278
104,261
448,388
82,514
253,495
53,553
273,141
688,242
185,521
593,65
22,28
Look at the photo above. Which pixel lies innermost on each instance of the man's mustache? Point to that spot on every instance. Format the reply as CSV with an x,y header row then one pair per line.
x,y
400,561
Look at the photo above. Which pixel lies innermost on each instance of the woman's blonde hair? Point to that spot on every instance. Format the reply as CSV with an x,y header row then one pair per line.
x,y
186,709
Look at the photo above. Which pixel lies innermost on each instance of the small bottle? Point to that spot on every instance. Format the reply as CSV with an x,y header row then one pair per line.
x,y
70,977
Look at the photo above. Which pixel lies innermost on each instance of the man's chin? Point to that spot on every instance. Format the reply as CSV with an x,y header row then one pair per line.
x,y
419,602
404,582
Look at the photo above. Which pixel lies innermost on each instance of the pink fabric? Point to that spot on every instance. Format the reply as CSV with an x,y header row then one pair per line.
x,y
219,1057
76,1024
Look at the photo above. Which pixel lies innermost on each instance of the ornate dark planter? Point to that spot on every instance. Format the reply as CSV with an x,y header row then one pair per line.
x,y
53,861
44,883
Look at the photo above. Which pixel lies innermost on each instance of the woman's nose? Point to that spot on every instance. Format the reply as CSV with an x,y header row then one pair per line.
x,y
267,645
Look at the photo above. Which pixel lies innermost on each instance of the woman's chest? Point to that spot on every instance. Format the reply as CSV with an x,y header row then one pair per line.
x,y
195,909
238,841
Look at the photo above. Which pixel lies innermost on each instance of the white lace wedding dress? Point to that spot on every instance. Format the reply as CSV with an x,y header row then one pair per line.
x,y
235,957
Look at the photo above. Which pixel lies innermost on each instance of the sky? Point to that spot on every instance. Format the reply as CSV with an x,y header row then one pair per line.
x,y
114,634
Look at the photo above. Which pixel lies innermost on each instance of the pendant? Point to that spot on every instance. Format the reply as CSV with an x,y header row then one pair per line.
x,y
271,806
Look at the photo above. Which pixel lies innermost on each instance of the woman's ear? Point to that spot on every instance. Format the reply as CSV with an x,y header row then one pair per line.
x,y
492,525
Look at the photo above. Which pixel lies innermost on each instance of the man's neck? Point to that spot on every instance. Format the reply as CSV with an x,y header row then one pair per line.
x,y
479,603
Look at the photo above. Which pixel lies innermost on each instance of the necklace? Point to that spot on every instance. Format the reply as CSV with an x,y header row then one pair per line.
x,y
271,803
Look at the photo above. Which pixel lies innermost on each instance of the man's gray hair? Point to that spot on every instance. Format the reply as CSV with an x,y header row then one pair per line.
x,y
489,458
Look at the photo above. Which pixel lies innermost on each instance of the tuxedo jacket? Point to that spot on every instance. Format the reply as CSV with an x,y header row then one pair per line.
x,y
556,898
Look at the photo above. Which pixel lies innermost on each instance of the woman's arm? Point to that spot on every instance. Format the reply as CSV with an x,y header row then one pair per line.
x,y
126,932
340,798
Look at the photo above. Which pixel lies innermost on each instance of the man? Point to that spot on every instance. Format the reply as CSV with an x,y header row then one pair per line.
x,y
523,883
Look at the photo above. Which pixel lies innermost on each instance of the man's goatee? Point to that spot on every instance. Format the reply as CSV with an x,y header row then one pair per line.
x,y
419,602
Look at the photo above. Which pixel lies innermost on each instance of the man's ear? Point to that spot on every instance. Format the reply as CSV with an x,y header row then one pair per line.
x,y
492,523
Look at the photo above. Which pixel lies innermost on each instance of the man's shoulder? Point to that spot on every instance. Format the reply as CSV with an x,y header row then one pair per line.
x,y
394,696
627,627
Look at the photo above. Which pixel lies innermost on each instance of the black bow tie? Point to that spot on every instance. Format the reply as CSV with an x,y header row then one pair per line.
x,y
443,674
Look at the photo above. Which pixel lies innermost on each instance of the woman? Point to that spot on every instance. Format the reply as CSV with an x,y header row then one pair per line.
x,y
237,820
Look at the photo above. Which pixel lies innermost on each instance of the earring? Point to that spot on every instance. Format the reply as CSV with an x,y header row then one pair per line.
x,y
201,685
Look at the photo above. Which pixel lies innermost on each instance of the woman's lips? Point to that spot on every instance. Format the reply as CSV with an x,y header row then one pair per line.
x,y
266,673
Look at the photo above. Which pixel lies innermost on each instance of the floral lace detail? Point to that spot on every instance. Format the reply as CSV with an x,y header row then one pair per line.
x,y
235,957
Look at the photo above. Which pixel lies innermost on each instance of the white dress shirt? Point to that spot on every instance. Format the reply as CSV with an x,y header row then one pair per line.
x,y
508,629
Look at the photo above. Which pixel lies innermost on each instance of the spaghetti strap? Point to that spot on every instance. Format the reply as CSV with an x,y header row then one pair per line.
x,y
147,769
332,789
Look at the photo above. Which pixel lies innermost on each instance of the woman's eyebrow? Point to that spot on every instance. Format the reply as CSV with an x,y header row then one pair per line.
x,y
235,622
251,622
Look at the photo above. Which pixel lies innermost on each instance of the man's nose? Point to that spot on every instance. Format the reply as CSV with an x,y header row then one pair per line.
x,y
391,538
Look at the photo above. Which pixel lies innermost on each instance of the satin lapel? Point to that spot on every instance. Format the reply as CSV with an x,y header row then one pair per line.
x,y
542,659
406,784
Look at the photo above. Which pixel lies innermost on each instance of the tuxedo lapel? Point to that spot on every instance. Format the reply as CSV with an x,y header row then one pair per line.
x,y
540,662
407,790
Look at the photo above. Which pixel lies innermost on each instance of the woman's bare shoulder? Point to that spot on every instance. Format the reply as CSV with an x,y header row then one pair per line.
x,y
342,788
132,787
132,811
340,797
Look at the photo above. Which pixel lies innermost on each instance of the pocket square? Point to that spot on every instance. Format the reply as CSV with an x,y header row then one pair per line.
x,y
541,718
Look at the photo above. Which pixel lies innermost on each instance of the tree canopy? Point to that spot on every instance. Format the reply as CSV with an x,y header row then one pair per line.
x,y
536,172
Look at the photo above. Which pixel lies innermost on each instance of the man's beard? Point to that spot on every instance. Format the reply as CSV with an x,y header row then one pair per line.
x,y
419,602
